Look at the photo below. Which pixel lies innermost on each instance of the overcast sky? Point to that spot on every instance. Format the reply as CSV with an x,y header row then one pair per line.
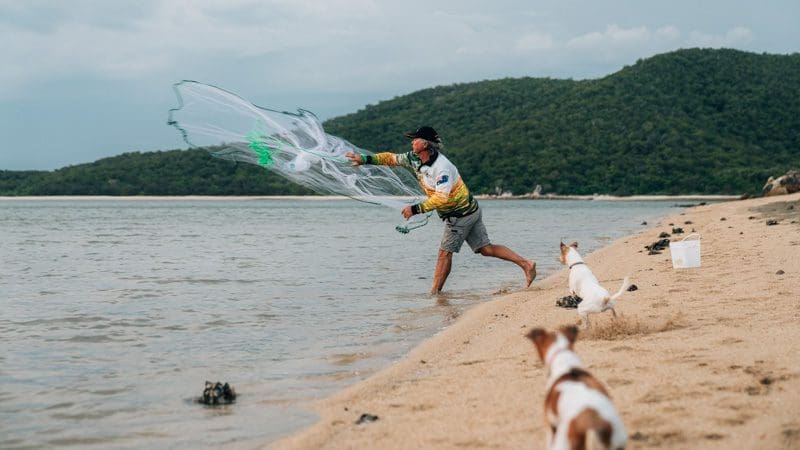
x,y
85,79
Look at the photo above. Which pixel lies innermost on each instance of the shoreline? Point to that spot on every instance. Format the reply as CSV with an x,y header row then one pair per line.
x,y
596,197
704,358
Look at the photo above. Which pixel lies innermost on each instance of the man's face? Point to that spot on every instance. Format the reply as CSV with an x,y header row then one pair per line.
x,y
420,148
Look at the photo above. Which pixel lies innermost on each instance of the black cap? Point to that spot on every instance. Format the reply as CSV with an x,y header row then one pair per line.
x,y
427,133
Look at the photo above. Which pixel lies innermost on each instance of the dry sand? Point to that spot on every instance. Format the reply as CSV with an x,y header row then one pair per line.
x,y
704,358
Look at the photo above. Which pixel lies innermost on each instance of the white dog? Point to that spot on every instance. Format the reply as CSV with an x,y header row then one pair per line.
x,y
578,411
584,284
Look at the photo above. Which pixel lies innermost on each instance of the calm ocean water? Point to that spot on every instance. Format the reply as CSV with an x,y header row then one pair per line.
x,y
114,313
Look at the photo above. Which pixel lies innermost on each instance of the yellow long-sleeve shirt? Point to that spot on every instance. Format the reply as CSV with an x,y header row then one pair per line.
x,y
439,178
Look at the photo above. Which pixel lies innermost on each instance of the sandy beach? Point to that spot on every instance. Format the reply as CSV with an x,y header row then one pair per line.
x,y
702,358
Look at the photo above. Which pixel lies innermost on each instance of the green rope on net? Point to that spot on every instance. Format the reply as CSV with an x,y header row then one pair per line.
x,y
264,152
405,229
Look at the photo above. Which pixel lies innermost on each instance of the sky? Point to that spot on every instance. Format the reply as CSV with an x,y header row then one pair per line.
x,y
82,80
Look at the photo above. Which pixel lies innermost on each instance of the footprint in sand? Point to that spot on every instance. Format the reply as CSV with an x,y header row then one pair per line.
x,y
735,421
622,348
791,435
614,382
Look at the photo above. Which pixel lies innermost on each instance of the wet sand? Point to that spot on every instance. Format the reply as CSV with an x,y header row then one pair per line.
x,y
703,358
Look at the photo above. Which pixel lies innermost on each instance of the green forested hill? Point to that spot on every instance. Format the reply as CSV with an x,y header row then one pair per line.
x,y
173,172
690,121
686,122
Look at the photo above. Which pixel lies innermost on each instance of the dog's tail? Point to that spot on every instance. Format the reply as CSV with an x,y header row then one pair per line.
x,y
625,285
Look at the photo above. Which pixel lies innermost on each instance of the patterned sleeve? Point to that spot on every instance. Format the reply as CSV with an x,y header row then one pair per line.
x,y
390,159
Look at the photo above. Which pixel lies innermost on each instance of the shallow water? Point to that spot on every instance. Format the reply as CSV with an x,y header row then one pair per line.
x,y
115,313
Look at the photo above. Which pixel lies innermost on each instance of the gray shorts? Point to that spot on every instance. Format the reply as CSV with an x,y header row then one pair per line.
x,y
469,228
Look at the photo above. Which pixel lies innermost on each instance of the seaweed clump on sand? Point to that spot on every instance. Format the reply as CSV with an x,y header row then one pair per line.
x,y
656,247
570,301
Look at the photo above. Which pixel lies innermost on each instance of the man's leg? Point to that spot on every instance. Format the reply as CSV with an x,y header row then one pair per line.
x,y
443,264
505,253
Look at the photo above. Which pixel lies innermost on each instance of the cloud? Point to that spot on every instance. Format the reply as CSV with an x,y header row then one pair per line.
x,y
336,46
668,33
161,36
622,45
613,36
535,41
734,37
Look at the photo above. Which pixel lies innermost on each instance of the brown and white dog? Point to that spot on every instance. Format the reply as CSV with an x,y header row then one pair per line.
x,y
577,409
583,283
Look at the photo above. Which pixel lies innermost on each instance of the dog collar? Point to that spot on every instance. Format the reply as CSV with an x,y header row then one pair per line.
x,y
575,264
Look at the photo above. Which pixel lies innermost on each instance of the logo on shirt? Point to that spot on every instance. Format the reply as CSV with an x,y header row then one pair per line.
x,y
441,180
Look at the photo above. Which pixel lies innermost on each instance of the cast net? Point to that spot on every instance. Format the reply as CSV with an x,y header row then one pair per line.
x,y
292,145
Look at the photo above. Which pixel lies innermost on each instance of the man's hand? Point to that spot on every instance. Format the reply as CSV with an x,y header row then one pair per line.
x,y
355,158
407,212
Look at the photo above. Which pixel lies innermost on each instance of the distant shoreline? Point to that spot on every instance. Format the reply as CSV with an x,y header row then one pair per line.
x,y
337,197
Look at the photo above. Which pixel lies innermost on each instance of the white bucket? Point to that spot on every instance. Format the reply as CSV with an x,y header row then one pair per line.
x,y
685,254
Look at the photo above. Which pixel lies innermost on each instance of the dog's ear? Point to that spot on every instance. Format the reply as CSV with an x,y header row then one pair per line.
x,y
536,335
574,245
570,332
563,246
541,339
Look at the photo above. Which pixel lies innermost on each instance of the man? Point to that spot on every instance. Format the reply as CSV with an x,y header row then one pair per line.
x,y
449,196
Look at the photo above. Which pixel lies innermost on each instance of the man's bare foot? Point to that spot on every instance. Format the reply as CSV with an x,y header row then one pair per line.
x,y
530,274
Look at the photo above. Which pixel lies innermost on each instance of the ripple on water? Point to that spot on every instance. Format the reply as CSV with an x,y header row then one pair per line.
x,y
344,359
60,320
90,339
80,441
83,415
59,406
112,391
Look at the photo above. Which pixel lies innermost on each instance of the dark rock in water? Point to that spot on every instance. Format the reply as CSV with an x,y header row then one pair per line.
x,y
644,223
663,234
633,287
785,184
677,230
688,222
366,418
653,249
570,301
780,272
752,217
218,394
772,222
